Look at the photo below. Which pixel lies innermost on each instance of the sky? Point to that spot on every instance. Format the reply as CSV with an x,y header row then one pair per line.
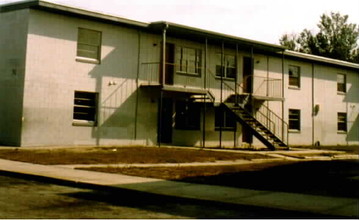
x,y
262,20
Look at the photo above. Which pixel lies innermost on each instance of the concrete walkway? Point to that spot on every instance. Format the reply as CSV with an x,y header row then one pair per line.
x,y
345,207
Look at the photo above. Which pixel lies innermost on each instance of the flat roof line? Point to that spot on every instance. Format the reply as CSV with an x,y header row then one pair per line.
x,y
321,59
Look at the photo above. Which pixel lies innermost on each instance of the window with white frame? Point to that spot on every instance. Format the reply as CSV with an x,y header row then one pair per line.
x,y
189,60
294,76
85,108
342,122
227,67
341,83
294,119
88,45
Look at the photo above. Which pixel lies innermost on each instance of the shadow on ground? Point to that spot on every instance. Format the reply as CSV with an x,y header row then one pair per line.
x,y
327,178
190,208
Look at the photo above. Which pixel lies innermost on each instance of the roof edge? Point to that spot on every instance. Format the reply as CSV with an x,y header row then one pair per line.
x,y
40,4
321,59
219,35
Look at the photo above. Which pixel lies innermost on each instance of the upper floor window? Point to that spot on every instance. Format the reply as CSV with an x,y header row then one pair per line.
x,y
89,45
341,83
189,60
342,121
294,76
85,108
224,119
294,119
227,67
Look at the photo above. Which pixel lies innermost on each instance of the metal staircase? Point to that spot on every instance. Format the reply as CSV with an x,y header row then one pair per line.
x,y
265,132
264,124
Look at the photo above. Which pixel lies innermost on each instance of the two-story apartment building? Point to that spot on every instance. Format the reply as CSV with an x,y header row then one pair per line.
x,y
74,77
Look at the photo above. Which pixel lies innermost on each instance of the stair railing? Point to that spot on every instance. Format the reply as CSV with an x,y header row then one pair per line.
x,y
264,115
273,122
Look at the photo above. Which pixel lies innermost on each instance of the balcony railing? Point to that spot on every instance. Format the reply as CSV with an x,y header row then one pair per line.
x,y
150,74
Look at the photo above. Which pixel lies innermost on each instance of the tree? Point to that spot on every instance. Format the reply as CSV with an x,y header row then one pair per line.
x,y
336,39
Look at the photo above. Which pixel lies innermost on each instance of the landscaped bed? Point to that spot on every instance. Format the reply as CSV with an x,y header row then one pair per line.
x,y
128,155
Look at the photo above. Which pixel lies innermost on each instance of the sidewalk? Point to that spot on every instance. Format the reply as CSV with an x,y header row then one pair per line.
x,y
345,207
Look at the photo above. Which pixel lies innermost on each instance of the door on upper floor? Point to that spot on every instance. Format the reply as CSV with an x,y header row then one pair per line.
x,y
170,63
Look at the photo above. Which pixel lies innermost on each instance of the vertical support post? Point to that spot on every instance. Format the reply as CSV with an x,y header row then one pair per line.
x,y
236,97
236,79
204,97
252,110
137,82
222,113
164,54
160,119
162,83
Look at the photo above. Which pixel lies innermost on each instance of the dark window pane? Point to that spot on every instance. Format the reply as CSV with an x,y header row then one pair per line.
x,y
85,106
294,119
294,76
342,121
341,83
187,115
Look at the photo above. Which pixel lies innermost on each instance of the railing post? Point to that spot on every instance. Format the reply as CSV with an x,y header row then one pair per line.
x,y
236,79
164,54
222,73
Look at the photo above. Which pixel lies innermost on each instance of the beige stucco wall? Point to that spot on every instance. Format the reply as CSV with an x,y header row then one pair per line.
x,y
13,35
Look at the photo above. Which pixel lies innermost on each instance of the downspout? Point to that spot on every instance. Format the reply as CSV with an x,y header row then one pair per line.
x,y
236,97
287,135
162,82
313,112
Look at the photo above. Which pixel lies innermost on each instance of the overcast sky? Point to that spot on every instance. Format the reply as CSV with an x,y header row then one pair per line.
x,y
263,20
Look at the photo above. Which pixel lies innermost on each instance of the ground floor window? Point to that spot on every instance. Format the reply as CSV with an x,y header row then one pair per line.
x,y
342,121
224,119
85,107
294,119
188,115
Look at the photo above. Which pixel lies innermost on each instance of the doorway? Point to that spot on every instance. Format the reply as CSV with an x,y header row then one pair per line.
x,y
165,121
247,135
247,75
170,63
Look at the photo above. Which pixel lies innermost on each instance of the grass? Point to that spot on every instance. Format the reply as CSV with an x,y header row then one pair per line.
x,y
113,155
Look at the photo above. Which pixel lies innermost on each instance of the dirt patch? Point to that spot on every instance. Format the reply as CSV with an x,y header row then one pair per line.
x,y
177,173
326,178
111,155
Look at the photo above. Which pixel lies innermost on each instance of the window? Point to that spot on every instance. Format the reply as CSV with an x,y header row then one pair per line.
x,y
342,121
89,45
189,60
187,115
228,69
85,108
224,119
294,119
294,76
341,83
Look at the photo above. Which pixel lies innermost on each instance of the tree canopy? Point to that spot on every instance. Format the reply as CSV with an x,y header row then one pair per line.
x,y
336,39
